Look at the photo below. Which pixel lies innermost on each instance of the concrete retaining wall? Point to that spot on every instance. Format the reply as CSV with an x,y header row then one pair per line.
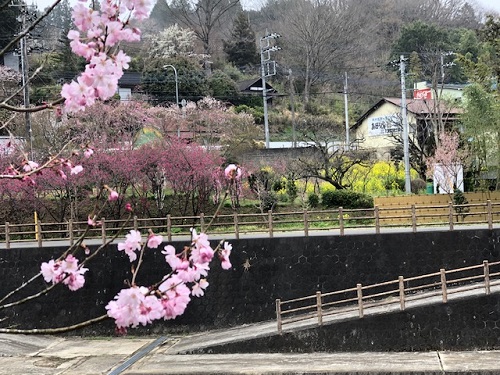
x,y
269,268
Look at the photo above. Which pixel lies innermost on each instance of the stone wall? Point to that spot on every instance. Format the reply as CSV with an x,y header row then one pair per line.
x,y
268,268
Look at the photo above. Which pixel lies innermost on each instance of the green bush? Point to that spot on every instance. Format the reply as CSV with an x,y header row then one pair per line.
x,y
346,199
268,201
291,189
313,200
417,185
394,183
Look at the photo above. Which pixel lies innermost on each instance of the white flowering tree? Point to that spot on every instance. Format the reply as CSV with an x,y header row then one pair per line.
x,y
172,42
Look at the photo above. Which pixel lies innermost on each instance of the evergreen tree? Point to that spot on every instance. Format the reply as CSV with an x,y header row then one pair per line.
x,y
9,26
241,49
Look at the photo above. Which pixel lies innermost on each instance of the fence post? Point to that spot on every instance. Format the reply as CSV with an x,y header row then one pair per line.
x,y
341,221
236,225
270,221
360,300
486,268
202,222
450,214
169,227
306,223
401,293
377,220
278,316
70,230
414,218
136,225
319,308
7,235
443,285
490,215
39,232
103,230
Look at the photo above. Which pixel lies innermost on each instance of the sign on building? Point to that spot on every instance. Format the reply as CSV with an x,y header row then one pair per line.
x,y
384,125
422,94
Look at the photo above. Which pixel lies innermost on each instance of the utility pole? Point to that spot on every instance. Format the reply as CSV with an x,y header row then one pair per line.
x,y
404,118
268,68
346,110
292,105
25,76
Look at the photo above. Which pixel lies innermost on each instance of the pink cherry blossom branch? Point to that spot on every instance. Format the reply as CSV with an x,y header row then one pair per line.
x,y
71,250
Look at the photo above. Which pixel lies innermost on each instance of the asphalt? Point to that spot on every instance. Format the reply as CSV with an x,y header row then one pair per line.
x,y
50,355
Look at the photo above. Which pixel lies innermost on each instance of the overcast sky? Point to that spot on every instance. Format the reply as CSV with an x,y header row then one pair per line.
x,y
487,5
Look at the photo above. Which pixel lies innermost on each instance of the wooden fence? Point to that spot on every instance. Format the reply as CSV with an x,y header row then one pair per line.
x,y
401,291
233,225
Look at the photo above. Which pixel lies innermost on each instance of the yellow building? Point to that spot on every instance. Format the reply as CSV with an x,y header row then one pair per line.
x,y
380,128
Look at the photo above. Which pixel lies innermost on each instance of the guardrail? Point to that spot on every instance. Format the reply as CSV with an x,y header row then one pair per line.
x,y
401,291
411,217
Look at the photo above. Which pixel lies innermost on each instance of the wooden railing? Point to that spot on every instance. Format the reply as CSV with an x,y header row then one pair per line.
x,y
233,225
400,292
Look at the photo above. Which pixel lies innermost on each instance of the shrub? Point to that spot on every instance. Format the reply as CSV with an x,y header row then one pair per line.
x,y
268,201
417,185
313,200
291,189
395,183
346,199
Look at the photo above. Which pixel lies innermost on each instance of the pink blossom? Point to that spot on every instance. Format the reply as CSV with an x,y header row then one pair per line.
x,y
98,31
62,174
175,297
198,289
133,306
68,271
232,172
88,153
113,195
201,251
171,258
128,207
154,241
132,243
224,256
76,169
51,271
91,221
30,165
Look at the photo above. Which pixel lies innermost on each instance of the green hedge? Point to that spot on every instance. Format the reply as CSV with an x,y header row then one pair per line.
x,y
346,199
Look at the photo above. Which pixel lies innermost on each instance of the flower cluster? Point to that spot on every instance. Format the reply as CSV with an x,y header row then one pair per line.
x,y
232,172
168,299
98,31
66,271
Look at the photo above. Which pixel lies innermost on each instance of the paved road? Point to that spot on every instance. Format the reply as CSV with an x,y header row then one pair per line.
x,y
49,355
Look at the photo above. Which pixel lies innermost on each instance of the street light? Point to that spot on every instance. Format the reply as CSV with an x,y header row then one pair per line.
x,y
176,92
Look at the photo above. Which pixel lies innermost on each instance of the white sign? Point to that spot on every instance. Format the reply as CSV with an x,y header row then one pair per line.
x,y
384,125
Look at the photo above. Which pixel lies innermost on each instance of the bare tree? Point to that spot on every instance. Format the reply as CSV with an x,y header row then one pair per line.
x,y
202,17
328,159
318,35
